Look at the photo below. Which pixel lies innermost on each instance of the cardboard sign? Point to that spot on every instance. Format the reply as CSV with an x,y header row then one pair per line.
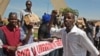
x,y
31,18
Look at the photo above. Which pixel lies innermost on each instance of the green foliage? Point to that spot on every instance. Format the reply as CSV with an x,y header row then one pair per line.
x,y
65,10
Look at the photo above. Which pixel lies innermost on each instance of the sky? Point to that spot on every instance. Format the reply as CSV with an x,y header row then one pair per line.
x,y
89,9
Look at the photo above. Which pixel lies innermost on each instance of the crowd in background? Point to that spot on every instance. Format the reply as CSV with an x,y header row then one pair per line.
x,y
19,32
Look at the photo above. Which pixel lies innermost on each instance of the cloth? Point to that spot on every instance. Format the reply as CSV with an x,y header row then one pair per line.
x,y
97,36
26,16
1,23
1,43
43,32
89,32
22,14
75,43
24,29
9,38
46,18
12,37
23,36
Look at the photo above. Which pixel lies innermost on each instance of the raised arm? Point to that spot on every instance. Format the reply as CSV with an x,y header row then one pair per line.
x,y
53,15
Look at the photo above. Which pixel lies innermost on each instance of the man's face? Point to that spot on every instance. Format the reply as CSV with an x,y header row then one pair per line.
x,y
13,20
69,20
28,5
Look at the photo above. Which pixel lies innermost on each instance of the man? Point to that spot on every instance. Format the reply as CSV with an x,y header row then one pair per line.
x,y
75,41
95,39
10,35
26,11
27,28
98,38
43,32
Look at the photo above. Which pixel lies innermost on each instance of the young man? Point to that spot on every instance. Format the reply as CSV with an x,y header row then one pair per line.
x,y
75,41
10,35
43,32
27,29
26,11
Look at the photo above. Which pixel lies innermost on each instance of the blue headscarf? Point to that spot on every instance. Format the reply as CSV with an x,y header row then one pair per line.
x,y
46,18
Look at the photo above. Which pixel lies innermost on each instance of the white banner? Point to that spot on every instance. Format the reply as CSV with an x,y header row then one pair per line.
x,y
38,48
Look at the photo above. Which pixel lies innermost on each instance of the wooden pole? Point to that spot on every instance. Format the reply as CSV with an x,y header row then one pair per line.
x,y
3,6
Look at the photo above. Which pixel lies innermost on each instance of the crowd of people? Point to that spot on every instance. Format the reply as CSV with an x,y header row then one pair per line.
x,y
78,39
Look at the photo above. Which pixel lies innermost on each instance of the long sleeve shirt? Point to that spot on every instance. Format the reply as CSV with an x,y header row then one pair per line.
x,y
75,43
97,36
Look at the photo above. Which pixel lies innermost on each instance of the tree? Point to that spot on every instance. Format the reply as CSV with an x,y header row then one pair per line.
x,y
74,11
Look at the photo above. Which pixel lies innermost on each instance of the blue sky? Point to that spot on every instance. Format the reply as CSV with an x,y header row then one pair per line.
x,y
89,9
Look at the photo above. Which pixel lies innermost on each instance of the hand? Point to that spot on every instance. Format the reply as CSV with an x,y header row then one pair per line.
x,y
55,37
35,39
12,48
54,13
29,27
50,39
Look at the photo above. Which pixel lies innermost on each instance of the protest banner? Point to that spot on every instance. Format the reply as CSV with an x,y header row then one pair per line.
x,y
39,48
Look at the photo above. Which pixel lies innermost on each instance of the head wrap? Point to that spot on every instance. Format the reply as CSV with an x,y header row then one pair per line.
x,y
46,18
